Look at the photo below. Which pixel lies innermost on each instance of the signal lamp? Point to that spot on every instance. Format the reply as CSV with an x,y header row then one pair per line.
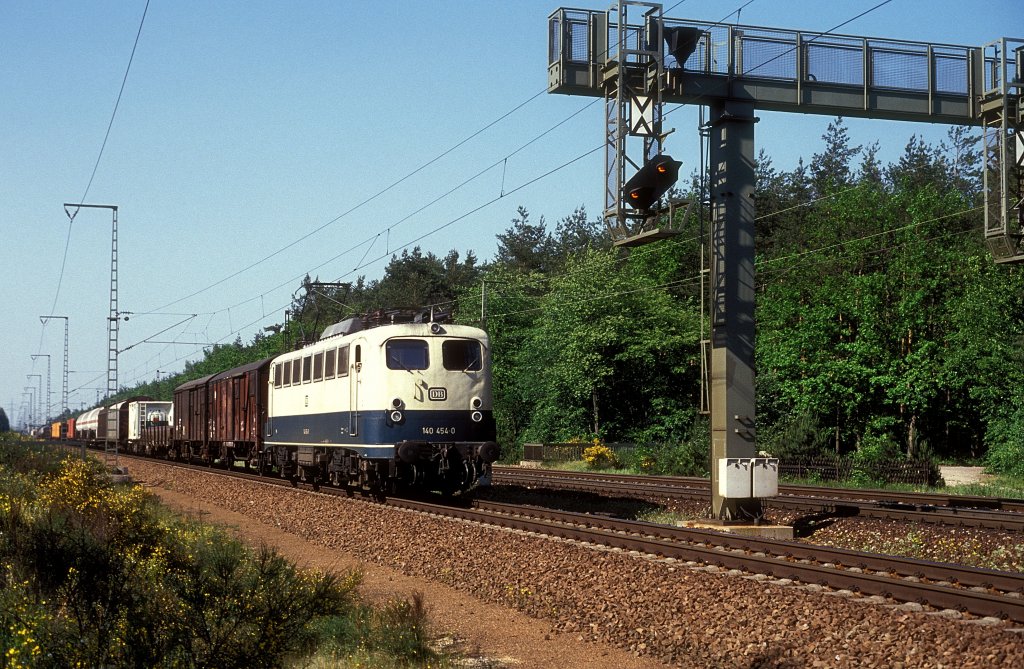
x,y
651,181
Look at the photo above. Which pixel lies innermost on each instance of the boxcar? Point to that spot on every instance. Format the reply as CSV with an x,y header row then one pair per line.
x,y
191,418
238,411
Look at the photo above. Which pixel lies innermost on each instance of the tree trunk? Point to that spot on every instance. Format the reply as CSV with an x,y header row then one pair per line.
x,y
912,437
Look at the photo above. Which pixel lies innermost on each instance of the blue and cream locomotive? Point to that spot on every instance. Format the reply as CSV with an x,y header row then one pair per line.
x,y
396,405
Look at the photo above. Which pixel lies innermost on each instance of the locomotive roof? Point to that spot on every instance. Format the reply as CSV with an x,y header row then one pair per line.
x,y
389,330
384,317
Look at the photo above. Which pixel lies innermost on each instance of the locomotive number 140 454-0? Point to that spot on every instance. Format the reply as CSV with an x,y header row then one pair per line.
x,y
439,430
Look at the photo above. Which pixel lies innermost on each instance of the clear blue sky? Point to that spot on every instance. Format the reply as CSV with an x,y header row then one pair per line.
x,y
246,125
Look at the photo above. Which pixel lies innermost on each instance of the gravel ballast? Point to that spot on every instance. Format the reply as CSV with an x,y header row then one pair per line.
x,y
686,615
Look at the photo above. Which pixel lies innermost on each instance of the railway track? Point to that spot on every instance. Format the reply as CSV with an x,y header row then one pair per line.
x,y
979,592
980,512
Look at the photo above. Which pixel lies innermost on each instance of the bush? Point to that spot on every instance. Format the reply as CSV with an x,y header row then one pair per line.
x,y
93,574
875,451
1006,444
688,458
395,634
599,456
795,437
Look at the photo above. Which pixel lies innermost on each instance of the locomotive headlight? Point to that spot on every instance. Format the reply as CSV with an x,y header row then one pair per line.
x,y
396,416
476,403
397,403
477,416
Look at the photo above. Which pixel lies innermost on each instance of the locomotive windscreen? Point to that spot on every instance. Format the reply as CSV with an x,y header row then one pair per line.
x,y
408,354
462,355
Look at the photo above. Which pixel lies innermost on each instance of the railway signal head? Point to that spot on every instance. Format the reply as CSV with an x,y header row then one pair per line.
x,y
651,181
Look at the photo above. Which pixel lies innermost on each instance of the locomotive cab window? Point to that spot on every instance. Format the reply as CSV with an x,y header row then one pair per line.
x,y
296,371
318,366
462,355
277,376
407,354
287,373
307,368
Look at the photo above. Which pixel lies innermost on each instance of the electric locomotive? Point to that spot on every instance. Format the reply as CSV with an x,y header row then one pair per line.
x,y
380,405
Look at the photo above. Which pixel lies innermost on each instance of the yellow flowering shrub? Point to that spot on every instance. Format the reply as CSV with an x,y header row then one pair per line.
x,y
599,456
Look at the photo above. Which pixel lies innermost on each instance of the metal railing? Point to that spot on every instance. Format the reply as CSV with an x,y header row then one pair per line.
x,y
943,74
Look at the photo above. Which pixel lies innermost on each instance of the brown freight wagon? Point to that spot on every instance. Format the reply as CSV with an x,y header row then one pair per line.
x,y
238,411
70,431
191,418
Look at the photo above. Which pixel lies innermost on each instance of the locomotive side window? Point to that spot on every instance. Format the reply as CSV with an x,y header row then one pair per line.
x,y
407,354
462,355
277,376
287,373
296,371
329,364
307,368
343,361
318,367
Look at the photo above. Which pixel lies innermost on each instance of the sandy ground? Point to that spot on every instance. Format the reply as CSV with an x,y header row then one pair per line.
x,y
962,475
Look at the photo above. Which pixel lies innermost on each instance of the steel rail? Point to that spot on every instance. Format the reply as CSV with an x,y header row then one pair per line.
x,y
840,506
1014,505
956,574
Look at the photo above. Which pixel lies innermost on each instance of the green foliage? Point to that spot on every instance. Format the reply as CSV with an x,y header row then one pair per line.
x,y
5,423
607,352
395,634
93,574
689,457
795,436
877,449
881,303
1006,443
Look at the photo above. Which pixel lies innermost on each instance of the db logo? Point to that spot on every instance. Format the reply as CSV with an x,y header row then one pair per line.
x,y
437,394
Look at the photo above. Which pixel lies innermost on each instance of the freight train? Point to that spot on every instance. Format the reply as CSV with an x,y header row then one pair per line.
x,y
385,402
